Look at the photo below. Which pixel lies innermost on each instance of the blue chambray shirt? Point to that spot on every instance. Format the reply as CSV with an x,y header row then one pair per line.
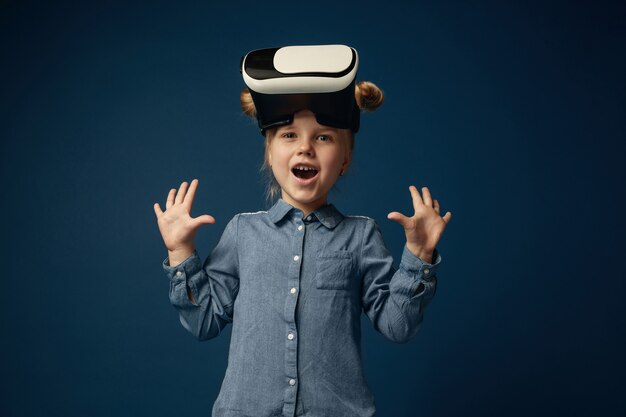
x,y
294,289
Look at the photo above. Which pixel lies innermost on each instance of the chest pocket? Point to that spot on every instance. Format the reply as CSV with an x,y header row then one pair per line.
x,y
334,270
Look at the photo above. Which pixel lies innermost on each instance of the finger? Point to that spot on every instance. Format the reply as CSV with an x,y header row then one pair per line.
x,y
447,217
157,210
428,200
417,199
170,198
399,218
436,207
181,192
204,219
191,193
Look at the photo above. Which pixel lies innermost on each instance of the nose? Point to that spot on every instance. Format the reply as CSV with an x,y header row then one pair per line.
x,y
306,147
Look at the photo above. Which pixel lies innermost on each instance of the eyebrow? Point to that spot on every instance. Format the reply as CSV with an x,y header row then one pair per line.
x,y
322,130
284,127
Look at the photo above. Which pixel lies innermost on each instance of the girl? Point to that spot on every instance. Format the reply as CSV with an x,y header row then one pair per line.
x,y
293,280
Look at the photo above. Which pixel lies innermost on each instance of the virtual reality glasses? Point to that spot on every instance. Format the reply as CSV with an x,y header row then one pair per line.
x,y
319,78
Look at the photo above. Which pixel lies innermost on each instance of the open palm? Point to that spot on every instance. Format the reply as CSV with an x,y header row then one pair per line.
x,y
176,225
424,229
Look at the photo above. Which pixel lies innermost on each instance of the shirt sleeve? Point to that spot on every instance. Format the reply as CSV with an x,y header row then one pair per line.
x,y
394,300
213,284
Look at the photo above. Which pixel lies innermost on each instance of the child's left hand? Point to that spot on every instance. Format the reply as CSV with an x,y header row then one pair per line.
x,y
425,228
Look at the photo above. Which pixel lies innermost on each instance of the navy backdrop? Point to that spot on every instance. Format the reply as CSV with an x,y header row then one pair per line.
x,y
512,113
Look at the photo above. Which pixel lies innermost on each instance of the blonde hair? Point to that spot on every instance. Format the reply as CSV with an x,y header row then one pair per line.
x,y
368,97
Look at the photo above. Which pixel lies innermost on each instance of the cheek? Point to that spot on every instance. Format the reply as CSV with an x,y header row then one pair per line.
x,y
278,158
338,159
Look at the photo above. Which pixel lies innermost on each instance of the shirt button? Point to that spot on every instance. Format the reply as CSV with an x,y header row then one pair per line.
x,y
300,227
426,271
290,336
295,258
293,290
308,218
178,273
292,382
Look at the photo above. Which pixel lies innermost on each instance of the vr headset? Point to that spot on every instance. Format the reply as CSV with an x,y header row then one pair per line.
x,y
320,78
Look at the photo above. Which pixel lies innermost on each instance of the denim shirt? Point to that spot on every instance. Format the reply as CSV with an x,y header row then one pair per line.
x,y
293,288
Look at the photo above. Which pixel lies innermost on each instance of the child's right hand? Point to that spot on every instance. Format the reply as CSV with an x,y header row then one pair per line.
x,y
176,225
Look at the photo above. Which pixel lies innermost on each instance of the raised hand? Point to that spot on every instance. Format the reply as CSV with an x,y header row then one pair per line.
x,y
424,229
176,225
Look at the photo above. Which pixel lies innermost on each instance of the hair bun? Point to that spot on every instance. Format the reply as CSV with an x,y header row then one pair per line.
x,y
368,96
247,105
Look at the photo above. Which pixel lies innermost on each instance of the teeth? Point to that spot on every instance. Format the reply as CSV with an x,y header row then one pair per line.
x,y
305,168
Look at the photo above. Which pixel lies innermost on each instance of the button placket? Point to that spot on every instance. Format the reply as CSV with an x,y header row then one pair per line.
x,y
298,233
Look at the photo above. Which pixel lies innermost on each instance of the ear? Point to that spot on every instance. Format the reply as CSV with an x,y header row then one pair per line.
x,y
268,148
348,142
346,161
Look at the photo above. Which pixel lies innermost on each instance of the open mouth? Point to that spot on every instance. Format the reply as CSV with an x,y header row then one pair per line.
x,y
304,172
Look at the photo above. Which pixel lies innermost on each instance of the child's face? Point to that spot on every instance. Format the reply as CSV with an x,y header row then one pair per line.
x,y
306,159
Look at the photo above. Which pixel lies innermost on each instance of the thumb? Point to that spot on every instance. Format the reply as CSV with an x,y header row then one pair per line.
x,y
399,218
204,219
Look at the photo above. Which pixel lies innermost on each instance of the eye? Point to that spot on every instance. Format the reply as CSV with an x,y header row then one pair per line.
x,y
288,135
324,138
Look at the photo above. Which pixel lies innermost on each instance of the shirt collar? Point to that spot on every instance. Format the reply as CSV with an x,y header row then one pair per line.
x,y
279,210
328,215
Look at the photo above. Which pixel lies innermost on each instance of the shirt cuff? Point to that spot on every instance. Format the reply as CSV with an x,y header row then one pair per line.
x,y
417,266
189,266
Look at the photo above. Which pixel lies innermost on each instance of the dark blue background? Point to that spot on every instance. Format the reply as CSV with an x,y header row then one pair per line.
x,y
512,113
